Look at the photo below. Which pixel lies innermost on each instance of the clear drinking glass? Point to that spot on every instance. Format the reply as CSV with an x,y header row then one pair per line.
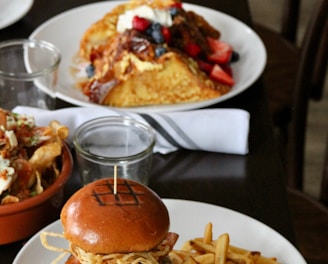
x,y
28,73
107,142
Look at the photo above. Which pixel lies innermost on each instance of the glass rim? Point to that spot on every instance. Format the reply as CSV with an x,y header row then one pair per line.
x,y
102,121
33,43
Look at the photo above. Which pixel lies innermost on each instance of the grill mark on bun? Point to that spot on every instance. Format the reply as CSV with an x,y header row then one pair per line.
x,y
105,196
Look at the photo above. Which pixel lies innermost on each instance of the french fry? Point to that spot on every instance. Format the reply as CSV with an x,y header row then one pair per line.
x,y
207,251
239,258
175,257
221,249
208,234
207,258
238,250
187,246
202,247
264,260
190,260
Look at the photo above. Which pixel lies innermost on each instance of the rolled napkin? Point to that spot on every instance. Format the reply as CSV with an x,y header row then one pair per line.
x,y
215,130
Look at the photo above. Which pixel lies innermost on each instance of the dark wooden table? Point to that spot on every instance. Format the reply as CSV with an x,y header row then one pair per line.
x,y
251,184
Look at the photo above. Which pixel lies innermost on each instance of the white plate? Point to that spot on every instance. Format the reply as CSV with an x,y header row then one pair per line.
x,y
65,31
244,232
13,10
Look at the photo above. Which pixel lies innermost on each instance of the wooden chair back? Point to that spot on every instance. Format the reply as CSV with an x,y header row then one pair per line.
x,y
309,85
324,180
290,19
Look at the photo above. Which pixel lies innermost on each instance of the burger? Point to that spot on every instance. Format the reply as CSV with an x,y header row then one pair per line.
x,y
118,221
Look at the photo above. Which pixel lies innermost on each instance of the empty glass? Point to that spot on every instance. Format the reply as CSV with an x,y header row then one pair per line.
x,y
107,142
28,73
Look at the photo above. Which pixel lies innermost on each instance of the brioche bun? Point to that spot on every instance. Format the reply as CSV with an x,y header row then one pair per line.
x,y
100,222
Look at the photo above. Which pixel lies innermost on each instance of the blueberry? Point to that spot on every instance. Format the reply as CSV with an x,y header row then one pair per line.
x,y
234,56
159,51
156,26
155,31
158,36
90,70
174,11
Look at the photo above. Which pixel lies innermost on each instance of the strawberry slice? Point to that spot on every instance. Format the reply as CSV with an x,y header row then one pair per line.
x,y
218,74
220,58
167,34
205,66
221,51
140,23
227,69
177,5
192,49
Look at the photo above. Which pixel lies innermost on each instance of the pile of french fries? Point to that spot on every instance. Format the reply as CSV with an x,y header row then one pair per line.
x,y
205,250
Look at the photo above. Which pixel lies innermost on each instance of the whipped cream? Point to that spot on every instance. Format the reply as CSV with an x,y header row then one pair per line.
x,y
155,15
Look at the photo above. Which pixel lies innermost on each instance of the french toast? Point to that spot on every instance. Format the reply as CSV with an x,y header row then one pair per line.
x,y
134,66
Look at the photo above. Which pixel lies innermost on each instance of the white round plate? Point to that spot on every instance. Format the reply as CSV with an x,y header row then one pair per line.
x,y
244,232
65,31
13,10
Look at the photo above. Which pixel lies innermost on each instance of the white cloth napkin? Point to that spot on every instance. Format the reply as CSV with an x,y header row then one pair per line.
x,y
215,130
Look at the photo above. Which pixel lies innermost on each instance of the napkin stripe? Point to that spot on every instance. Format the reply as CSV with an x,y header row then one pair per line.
x,y
180,132
161,130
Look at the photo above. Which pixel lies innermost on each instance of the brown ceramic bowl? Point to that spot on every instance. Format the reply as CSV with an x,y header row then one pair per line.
x,y
23,219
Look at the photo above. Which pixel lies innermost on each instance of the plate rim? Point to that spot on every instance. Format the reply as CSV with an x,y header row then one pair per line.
x,y
170,202
65,96
24,9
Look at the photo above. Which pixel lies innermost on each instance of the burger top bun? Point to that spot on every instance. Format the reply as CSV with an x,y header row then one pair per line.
x,y
101,222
